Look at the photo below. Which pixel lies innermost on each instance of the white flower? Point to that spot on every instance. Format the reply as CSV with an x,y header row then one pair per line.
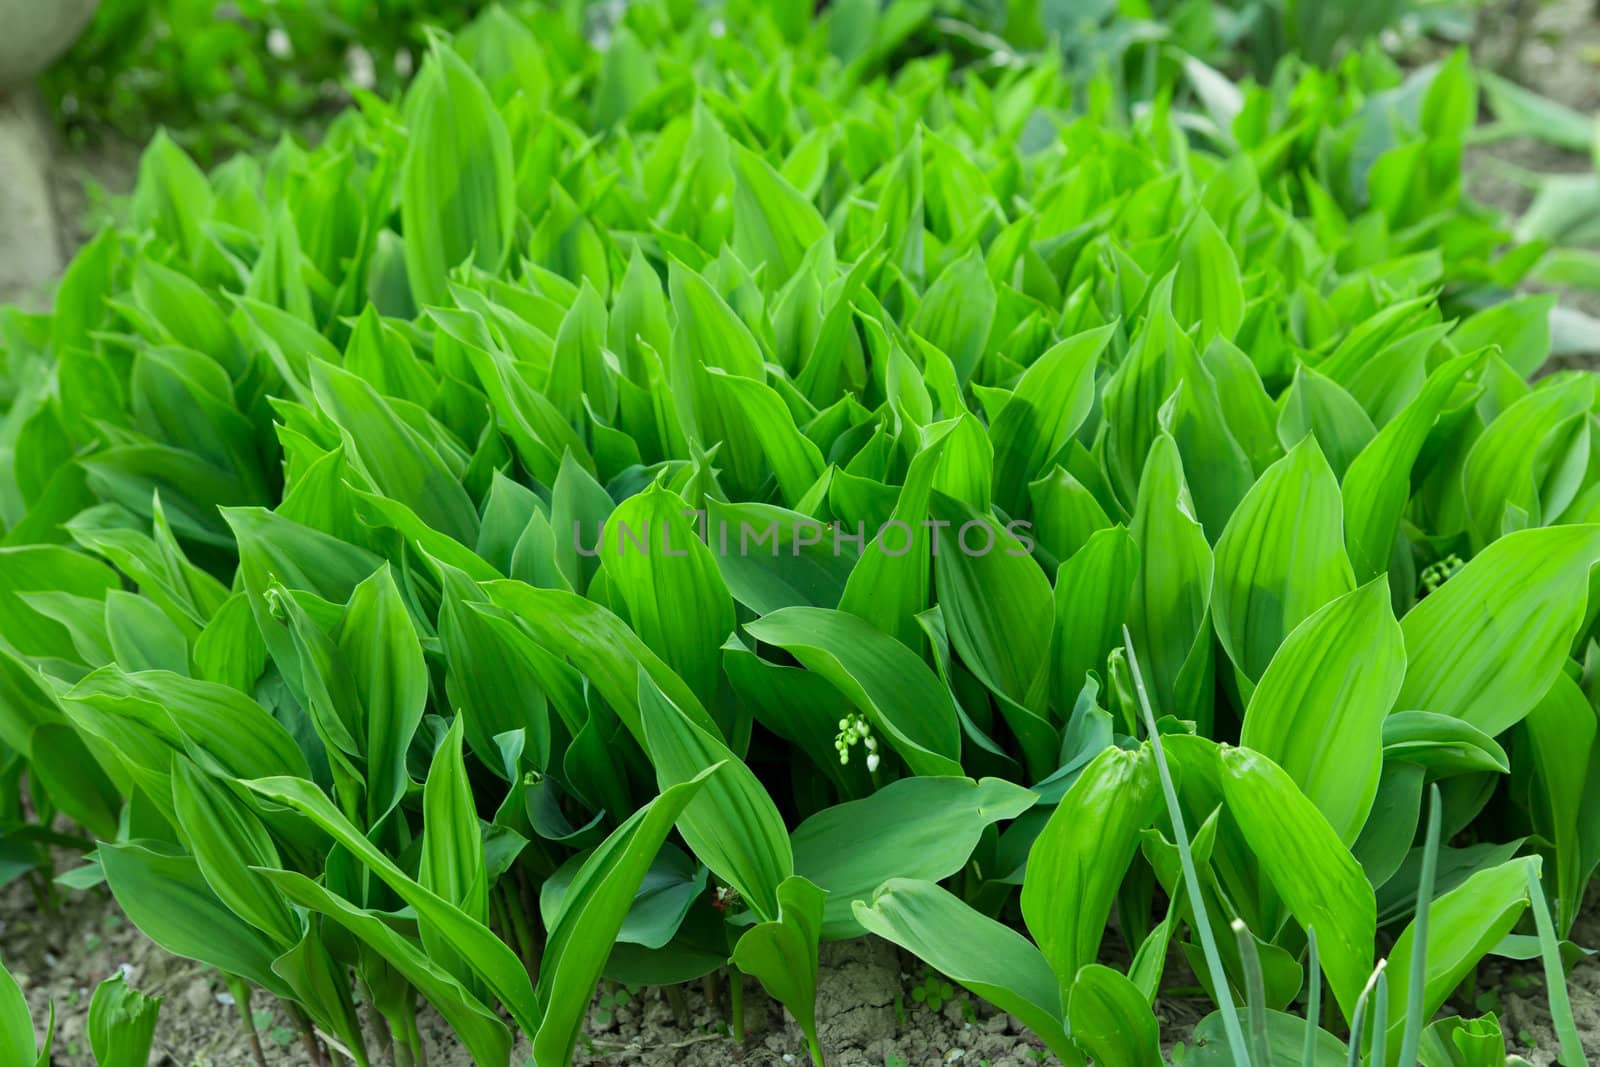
x,y
872,763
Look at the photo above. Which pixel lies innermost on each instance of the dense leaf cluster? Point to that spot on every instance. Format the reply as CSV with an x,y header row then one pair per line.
x,y
626,510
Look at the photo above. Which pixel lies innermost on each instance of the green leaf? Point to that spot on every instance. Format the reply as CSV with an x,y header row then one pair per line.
x,y
1049,403
488,957
672,885
1563,734
593,910
1319,711
773,558
1112,1020
393,455
16,1025
923,828
1491,640
122,1024
601,646
992,960
1463,925
166,897
457,192
772,222
1312,870
1208,289
452,866
1286,1036
671,586
782,954
957,312
1004,640
1377,484
1091,596
227,839
1172,593
902,698
1281,557
379,646
1441,742
1080,858
733,826
479,1028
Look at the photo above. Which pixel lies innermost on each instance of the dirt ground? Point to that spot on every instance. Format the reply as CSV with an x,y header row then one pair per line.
x,y
867,1012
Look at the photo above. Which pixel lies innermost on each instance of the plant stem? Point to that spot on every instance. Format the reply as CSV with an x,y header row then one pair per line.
x,y
419,1052
1555,977
1256,995
1313,997
708,985
679,1006
736,1001
241,1000
1191,877
308,1034
1411,1042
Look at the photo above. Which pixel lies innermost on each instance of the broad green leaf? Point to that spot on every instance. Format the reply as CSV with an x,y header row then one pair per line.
x,y
1285,1037
1111,1019
924,828
393,455
1049,403
772,222
1312,870
671,586
1520,327
782,954
889,586
1317,406
773,558
794,459
492,673
226,840
1172,593
479,1028
122,1024
1441,742
488,957
42,568
457,192
1562,730
1377,484
16,1025
1208,289
452,865
600,645
593,910
1319,710
733,826
165,896
1527,444
379,646
1281,558
1491,640
672,885
1080,858
897,692
1463,925
1091,597
957,312
1004,640
992,960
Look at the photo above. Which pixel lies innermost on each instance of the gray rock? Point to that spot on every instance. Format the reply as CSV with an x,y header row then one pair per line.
x,y
36,33
30,256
